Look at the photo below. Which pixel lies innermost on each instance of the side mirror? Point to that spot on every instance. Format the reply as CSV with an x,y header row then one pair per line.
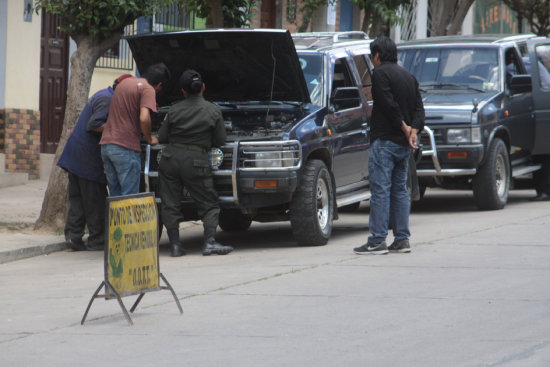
x,y
344,98
520,84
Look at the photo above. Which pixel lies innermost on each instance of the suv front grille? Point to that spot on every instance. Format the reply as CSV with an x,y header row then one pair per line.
x,y
438,137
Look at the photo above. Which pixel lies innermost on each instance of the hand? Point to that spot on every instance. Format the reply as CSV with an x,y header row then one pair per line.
x,y
406,129
154,140
413,139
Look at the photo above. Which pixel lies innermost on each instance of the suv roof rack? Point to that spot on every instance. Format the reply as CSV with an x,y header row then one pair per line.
x,y
334,35
324,39
516,37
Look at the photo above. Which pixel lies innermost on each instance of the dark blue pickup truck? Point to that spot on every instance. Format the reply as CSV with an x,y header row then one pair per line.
x,y
296,113
487,111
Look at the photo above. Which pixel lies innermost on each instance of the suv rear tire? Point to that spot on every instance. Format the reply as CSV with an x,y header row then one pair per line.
x,y
492,180
312,208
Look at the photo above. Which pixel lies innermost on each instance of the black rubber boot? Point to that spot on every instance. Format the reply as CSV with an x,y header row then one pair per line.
x,y
211,246
176,249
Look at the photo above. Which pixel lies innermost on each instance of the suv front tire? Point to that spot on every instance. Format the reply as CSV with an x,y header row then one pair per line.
x,y
312,207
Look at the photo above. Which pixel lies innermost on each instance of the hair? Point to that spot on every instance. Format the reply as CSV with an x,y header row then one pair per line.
x,y
385,48
157,73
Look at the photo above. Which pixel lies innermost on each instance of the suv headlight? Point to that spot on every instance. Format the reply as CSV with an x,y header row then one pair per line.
x,y
215,155
274,159
464,135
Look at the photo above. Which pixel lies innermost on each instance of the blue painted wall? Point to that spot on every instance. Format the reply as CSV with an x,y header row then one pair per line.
x,y
346,15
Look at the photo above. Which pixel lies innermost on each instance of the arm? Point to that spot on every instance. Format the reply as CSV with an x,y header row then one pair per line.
x,y
100,110
384,99
418,119
163,131
145,124
219,135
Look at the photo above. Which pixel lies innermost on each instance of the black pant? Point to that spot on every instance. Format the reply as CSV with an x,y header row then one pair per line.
x,y
183,167
541,178
86,207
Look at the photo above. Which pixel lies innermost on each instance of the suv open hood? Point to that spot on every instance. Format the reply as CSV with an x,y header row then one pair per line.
x,y
236,65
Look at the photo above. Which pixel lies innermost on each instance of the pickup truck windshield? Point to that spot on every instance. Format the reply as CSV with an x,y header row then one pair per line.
x,y
473,68
312,66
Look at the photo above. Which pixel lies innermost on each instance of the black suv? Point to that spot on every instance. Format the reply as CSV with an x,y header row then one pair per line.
x,y
296,115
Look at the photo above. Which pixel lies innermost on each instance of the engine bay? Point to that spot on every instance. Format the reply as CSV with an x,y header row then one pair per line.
x,y
246,124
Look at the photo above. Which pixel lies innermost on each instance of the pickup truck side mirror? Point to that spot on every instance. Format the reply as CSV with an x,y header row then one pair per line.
x,y
344,98
520,84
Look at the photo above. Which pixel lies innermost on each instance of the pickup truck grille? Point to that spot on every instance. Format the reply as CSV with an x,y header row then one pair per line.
x,y
438,136
262,156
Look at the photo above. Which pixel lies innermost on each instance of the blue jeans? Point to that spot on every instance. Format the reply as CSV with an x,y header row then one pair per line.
x,y
388,171
122,168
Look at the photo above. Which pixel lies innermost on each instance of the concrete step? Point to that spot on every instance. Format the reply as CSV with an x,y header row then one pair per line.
x,y
8,179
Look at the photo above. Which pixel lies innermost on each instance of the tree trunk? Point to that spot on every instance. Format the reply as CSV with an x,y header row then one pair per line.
x,y
447,16
367,21
215,18
458,16
440,14
365,24
55,204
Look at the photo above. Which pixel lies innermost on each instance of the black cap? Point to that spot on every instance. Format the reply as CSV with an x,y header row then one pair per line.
x,y
191,81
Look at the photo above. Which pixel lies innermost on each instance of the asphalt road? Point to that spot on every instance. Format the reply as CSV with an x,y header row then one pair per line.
x,y
473,292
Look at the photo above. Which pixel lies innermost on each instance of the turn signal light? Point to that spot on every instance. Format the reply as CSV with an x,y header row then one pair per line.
x,y
265,184
457,154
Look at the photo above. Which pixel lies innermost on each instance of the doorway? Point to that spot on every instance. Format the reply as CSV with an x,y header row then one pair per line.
x,y
54,70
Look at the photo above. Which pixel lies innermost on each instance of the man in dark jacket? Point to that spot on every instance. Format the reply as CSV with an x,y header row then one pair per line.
x,y
397,117
81,158
191,128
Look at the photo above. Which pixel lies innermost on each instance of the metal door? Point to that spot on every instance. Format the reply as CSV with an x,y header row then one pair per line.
x,y
539,55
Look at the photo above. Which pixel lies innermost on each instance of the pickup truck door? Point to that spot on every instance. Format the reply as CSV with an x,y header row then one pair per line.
x,y
350,133
539,55
517,107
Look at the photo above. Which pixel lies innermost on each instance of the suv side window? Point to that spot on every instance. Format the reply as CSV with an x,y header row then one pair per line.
x,y
364,74
513,67
342,76
543,61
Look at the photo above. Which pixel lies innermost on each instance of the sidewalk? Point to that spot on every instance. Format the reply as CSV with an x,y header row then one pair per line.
x,y
21,207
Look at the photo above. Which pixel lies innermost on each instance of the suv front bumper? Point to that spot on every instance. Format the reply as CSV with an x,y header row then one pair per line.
x,y
441,162
247,177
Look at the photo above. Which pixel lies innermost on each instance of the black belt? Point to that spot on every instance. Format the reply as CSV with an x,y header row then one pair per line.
x,y
190,147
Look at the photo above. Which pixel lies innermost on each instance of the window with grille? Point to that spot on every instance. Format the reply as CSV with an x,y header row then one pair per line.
x,y
173,18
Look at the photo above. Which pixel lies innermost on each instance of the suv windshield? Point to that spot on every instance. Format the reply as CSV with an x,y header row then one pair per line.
x,y
472,68
312,66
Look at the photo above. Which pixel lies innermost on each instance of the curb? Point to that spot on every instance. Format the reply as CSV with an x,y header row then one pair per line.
x,y
38,250
26,252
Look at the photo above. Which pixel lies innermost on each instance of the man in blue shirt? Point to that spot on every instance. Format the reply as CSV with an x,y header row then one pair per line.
x,y
81,158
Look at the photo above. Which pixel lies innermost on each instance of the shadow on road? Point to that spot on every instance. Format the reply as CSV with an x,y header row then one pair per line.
x,y
279,234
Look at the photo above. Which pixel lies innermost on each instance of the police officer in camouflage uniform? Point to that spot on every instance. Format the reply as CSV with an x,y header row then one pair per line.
x,y
192,126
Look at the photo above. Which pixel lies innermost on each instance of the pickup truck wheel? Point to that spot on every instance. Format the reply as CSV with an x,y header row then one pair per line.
x,y
233,220
312,208
492,181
